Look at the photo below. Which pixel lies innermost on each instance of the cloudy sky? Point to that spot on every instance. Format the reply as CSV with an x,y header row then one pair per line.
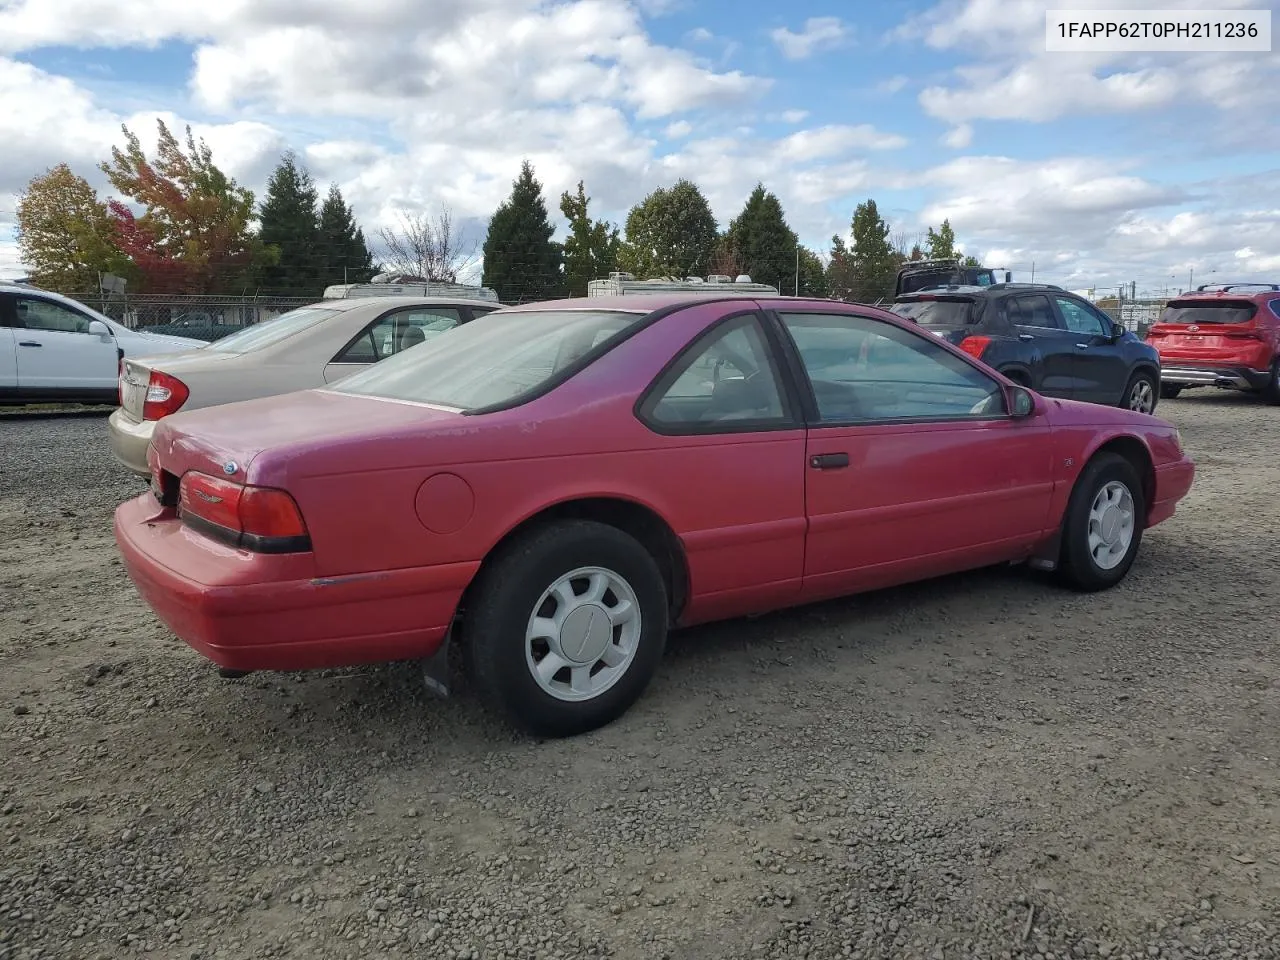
x,y
1099,168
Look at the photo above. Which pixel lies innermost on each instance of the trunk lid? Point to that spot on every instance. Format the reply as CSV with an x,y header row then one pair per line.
x,y
137,374
1211,331
225,440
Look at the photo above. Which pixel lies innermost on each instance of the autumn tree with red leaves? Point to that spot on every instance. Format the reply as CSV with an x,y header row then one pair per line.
x,y
194,233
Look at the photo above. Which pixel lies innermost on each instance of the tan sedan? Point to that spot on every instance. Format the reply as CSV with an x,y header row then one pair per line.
x,y
308,347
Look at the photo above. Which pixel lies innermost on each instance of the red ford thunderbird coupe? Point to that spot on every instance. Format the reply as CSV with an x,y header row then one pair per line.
x,y
556,485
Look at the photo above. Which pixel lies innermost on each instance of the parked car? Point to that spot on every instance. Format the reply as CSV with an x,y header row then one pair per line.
x,y
1043,337
920,274
55,349
307,347
560,483
1222,335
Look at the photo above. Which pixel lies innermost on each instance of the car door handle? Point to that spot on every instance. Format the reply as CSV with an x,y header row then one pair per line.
x,y
1082,346
829,461
1025,336
29,343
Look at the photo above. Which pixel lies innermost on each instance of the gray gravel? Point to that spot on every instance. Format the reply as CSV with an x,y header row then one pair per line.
x,y
983,766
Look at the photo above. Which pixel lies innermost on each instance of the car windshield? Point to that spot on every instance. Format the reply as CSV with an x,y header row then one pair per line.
x,y
936,313
492,360
272,331
1197,311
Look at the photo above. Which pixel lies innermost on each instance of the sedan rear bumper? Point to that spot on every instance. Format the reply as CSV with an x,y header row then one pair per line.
x,y
248,611
129,440
1227,377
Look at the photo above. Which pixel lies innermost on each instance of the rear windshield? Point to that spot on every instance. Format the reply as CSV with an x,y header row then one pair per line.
x,y
936,313
1197,311
272,331
492,360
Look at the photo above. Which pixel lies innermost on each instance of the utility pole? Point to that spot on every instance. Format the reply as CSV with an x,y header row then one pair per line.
x,y
1033,271
1191,279
797,269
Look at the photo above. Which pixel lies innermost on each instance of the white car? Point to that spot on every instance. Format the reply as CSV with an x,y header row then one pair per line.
x,y
55,349
311,346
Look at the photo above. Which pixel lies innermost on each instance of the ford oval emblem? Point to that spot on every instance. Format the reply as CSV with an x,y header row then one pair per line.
x,y
230,467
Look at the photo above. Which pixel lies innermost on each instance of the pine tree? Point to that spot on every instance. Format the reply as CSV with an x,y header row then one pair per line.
x,y
841,282
813,275
591,249
874,261
670,233
344,255
290,225
766,247
521,262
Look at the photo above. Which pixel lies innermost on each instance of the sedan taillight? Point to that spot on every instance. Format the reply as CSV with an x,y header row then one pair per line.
x,y
262,519
165,394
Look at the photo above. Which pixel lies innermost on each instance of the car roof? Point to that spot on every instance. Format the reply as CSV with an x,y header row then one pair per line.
x,y
353,303
1232,291
651,302
992,289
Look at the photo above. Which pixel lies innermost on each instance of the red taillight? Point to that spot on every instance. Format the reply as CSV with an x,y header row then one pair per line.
x,y
974,346
165,394
1244,335
257,518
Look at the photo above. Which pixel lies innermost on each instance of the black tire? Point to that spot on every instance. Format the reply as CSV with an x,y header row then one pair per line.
x,y
1170,391
1142,388
504,600
1271,393
1077,566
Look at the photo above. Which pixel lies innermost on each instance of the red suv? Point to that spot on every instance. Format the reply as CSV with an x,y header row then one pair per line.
x,y
1223,335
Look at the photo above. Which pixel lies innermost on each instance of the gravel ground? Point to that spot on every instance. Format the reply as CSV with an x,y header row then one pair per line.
x,y
983,766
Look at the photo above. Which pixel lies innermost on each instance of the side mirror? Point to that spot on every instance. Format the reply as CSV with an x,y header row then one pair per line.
x,y
1021,402
1008,277
100,330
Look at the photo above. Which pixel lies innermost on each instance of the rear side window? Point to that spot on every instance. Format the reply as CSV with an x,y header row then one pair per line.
x,y
1275,308
1215,311
938,313
1032,311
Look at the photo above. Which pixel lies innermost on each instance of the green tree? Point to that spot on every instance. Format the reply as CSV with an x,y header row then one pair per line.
x,y
591,249
874,261
196,217
521,262
841,281
344,255
65,236
971,262
813,275
670,233
942,243
766,246
289,224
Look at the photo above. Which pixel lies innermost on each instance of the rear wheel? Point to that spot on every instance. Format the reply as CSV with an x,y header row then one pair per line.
x,y
1272,390
1103,525
568,628
1168,391
1140,394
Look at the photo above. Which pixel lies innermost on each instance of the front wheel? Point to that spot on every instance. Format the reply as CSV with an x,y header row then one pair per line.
x,y
1103,524
1140,394
568,628
1169,391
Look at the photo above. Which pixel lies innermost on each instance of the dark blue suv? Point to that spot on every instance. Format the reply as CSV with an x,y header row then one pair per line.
x,y
1042,337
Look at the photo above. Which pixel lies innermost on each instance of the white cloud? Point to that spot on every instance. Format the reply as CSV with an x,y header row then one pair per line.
x,y
794,116
894,84
818,34
958,137
681,128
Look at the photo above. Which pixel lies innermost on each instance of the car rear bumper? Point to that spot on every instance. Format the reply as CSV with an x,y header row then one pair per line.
x,y
1208,375
1173,482
129,440
248,611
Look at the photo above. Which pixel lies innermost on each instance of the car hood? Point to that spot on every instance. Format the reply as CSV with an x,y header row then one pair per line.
x,y
268,438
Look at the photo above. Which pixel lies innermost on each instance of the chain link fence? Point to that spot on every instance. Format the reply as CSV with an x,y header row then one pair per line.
x,y
1135,315
202,317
